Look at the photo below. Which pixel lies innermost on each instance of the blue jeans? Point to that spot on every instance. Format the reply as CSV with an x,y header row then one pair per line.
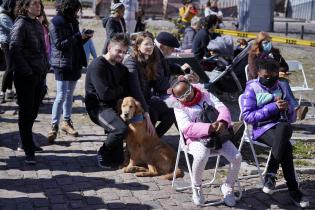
x,y
63,101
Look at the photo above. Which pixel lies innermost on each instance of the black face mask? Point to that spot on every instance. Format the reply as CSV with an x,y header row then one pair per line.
x,y
270,82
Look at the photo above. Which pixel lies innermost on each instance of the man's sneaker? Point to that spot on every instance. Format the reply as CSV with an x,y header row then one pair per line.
x,y
301,112
197,196
228,195
30,159
270,183
67,127
52,135
298,199
101,161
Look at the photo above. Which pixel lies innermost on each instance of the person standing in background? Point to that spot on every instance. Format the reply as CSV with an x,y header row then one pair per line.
x,y
27,47
6,22
115,23
67,59
131,12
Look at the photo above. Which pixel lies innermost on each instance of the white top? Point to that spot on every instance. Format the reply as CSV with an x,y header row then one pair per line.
x,y
131,7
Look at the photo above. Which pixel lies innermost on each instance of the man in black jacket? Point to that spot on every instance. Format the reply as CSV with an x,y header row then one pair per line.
x,y
106,83
204,36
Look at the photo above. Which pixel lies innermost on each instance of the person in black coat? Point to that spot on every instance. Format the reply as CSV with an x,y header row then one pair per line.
x,y
106,83
203,37
27,47
143,78
67,59
115,23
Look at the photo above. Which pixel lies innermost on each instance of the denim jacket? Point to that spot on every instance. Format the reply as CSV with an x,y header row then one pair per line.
x,y
6,24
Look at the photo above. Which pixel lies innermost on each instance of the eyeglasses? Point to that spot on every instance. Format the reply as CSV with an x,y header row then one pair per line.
x,y
187,93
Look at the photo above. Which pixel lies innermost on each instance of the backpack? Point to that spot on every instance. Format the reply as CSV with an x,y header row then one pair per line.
x,y
209,114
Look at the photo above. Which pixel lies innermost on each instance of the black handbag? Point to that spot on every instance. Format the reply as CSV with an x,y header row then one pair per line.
x,y
209,114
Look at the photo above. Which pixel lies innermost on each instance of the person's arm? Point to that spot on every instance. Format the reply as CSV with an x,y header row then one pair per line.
x,y
191,130
251,113
104,92
134,83
18,38
224,113
6,22
252,71
60,41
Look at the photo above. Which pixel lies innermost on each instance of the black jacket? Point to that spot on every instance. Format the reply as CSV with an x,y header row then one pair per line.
x,y
165,71
139,86
105,84
200,43
27,48
112,26
67,53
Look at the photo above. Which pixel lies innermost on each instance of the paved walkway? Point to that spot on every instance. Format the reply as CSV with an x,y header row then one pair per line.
x,y
67,176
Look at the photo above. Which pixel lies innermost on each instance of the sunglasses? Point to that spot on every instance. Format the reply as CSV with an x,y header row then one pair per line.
x,y
186,94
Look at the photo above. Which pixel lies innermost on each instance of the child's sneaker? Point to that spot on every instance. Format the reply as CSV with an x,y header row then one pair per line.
x,y
197,196
270,184
298,199
228,195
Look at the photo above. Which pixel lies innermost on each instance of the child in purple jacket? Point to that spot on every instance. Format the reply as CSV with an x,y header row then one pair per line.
x,y
265,105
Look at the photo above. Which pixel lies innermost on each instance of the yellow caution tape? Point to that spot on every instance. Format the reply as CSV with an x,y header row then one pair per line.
x,y
278,39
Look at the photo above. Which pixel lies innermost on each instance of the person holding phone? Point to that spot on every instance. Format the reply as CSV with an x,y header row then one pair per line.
x,y
266,107
67,60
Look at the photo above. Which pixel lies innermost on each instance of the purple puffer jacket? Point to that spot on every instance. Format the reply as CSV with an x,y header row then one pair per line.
x,y
258,105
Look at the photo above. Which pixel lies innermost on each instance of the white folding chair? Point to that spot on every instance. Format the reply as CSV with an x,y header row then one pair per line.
x,y
247,138
295,66
182,147
246,72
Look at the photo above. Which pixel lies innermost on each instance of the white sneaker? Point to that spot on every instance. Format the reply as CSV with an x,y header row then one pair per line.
x,y
228,195
197,196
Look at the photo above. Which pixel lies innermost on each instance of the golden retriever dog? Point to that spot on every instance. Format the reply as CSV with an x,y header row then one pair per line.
x,y
144,149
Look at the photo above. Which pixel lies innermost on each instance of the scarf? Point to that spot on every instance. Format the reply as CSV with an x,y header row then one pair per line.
x,y
195,100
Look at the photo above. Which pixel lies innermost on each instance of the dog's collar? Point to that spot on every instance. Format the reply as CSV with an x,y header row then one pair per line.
x,y
136,118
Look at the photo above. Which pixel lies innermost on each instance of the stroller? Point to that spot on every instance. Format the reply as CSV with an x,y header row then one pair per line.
x,y
220,72
228,75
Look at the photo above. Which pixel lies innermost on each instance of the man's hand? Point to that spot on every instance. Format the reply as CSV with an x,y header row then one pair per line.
x,y
219,127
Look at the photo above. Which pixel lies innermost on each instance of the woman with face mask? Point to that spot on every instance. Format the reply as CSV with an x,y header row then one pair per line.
x,y
263,48
266,107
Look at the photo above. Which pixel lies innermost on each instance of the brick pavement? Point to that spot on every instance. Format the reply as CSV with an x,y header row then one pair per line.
x,y
67,176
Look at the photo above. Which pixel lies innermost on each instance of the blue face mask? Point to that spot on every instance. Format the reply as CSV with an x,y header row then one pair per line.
x,y
267,47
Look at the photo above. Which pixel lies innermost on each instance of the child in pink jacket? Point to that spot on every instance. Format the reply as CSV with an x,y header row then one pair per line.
x,y
187,100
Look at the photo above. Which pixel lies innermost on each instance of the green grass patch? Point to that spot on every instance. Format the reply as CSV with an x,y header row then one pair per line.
x,y
303,163
304,150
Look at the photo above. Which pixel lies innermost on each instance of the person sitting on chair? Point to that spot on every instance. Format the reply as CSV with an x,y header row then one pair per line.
x,y
188,100
265,105
263,48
